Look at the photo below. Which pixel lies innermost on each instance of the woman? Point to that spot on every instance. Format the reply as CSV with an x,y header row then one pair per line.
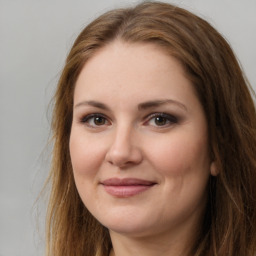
x,y
154,141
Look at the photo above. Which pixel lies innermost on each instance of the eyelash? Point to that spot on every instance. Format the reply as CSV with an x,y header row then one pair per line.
x,y
167,119
87,118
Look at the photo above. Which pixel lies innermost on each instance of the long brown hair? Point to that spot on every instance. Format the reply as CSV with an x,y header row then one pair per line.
x,y
229,225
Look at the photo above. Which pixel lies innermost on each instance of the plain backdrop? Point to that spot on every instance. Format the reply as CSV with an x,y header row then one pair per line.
x,y
35,37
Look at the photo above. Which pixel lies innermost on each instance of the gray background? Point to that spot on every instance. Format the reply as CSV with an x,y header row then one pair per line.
x,y
35,37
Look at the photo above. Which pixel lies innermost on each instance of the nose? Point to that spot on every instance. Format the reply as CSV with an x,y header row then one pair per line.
x,y
124,149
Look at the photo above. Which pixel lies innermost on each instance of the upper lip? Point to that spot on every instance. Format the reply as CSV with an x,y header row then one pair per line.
x,y
127,182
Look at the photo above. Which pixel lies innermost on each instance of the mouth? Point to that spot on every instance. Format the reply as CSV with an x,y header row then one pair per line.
x,y
126,187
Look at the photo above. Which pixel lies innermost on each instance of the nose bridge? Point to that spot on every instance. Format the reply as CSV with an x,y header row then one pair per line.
x,y
123,136
124,149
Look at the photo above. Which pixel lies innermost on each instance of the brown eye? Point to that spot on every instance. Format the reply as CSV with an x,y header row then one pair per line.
x,y
160,120
99,120
95,120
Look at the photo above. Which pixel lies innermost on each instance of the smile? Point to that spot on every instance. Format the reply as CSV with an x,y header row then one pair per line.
x,y
126,187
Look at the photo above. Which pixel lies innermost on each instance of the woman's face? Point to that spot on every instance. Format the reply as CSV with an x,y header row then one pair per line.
x,y
139,144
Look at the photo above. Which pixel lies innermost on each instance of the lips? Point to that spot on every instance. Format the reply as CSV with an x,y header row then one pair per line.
x,y
126,187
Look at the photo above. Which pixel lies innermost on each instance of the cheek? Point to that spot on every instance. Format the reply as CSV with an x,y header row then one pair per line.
x,y
86,154
86,158
183,163
179,155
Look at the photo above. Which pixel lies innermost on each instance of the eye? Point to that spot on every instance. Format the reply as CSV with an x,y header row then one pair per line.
x,y
161,120
95,120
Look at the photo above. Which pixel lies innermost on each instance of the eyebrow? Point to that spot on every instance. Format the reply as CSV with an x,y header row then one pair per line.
x,y
157,103
93,104
141,106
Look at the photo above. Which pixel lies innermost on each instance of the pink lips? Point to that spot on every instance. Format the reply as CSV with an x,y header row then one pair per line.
x,y
126,187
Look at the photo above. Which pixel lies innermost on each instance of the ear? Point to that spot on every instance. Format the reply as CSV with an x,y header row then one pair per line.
x,y
213,169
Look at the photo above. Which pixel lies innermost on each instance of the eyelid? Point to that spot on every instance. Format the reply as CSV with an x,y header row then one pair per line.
x,y
85,118
172,119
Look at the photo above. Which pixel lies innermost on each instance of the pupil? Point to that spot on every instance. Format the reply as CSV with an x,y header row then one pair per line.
x,y
160,120
99,120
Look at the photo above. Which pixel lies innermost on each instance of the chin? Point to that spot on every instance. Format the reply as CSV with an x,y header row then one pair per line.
x,y
127,223
130,230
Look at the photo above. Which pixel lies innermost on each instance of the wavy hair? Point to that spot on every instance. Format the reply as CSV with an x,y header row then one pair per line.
x,y
229,225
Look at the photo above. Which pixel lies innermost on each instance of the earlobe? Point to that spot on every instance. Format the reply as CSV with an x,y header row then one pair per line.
x,y
213,169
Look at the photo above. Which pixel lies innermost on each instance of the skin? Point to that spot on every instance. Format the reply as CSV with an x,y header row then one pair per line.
x,y
131,139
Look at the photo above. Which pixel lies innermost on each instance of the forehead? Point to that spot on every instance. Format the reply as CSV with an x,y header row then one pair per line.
x,y
129,64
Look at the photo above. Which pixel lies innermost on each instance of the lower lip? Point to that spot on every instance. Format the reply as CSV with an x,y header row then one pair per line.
x,y
126,191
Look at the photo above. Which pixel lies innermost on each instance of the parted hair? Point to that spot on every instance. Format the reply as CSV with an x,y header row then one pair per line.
x,y
229,224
